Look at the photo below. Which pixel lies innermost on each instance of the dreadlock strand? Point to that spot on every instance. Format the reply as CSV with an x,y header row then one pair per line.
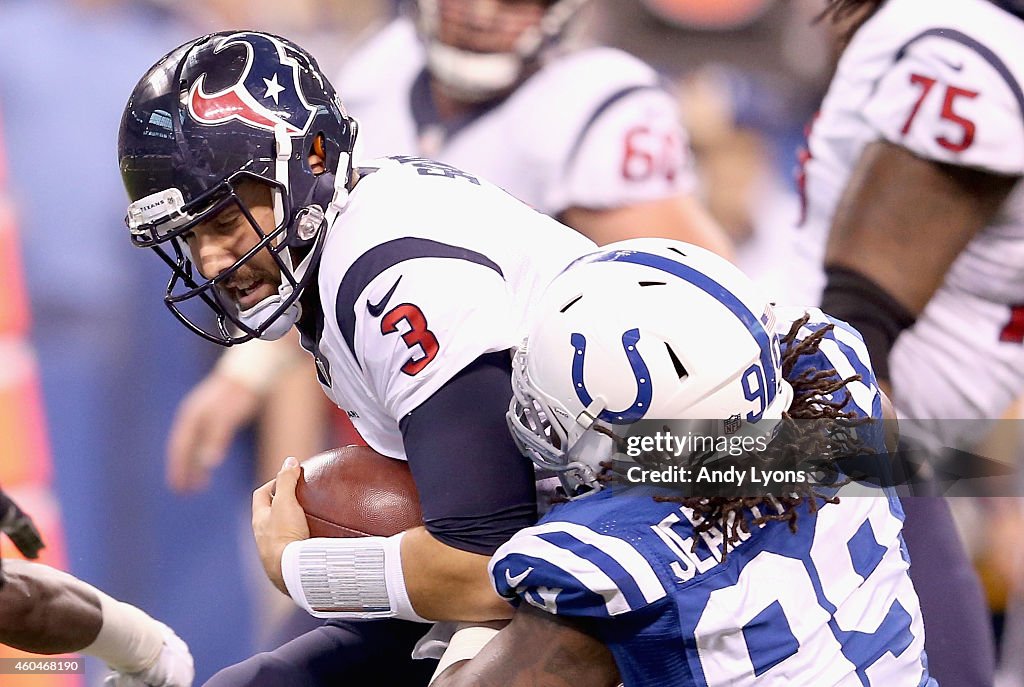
x,y
733,516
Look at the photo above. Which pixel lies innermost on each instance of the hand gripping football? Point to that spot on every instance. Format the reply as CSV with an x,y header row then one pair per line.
x,y
354,491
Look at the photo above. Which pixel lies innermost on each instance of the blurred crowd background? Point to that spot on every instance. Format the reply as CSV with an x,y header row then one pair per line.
x,y
92,368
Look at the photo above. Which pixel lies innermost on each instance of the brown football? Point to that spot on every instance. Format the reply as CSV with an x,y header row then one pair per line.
x,y
354,491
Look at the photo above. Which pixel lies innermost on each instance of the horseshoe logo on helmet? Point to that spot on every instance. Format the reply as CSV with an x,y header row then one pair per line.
x,y
267,94
644,390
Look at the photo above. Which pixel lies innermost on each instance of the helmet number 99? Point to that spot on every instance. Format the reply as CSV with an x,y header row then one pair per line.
x,y
754,390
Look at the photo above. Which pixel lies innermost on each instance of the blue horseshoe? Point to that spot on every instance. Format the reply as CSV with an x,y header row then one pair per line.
x,y
644,391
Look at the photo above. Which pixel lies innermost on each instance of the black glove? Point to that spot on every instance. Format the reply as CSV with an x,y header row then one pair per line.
x,y
19,527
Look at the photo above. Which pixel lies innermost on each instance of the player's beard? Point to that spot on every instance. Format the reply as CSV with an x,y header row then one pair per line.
x,y
258,315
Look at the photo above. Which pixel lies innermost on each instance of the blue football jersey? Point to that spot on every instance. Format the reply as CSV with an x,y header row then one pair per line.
x,y
831,604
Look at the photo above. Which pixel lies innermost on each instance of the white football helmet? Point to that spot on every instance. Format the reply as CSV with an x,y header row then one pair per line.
x,y
477,76
649,329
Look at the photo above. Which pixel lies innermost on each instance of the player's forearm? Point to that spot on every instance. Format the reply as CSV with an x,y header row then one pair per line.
x,y
445,583
47,611
44,611
903,220
678,217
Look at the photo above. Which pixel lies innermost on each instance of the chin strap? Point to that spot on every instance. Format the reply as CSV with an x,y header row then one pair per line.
x,y
283,145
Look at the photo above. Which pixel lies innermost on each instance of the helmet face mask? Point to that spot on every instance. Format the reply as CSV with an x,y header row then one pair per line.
x,y
475,73
545,432
646,329
188,285
214,113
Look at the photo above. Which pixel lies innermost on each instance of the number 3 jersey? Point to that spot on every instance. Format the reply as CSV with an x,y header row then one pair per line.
x,y
943,80
426,269
831,604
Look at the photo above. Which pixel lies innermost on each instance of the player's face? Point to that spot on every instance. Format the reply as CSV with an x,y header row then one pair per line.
x,y
487,26
219,242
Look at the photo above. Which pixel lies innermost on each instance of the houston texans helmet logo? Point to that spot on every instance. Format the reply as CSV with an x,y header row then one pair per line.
x,y
267,94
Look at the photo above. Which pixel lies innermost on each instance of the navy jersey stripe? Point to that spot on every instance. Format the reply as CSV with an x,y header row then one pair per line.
x,y
605,563
381,257
596,114
424,109
983,50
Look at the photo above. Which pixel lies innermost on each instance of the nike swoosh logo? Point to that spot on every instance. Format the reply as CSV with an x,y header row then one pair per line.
x,y
955,66
518,579
377,309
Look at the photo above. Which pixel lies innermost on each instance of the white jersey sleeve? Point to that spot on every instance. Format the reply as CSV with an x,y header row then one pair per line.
x,y
421,322
635,150
949,98
611,134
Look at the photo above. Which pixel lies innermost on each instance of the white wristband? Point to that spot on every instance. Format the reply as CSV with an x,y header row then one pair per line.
x,y
358,577
465,644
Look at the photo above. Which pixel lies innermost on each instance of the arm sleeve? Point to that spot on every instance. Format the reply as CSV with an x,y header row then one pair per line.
x,y
476,489
951,99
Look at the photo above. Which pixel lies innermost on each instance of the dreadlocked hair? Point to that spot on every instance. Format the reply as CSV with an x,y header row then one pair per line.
x,y
822,430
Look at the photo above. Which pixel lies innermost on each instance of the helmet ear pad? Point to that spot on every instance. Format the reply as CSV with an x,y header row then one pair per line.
x,y
318,147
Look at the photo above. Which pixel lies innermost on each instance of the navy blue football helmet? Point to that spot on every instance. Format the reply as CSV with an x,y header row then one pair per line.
x,y
217,111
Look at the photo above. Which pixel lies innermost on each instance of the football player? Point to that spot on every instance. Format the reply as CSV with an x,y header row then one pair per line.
x,y
914,208
497,88
500,89
408,280
804,589
46,611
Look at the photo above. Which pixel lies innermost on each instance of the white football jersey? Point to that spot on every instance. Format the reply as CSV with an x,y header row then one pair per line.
x,y
426,269
941,79
592,129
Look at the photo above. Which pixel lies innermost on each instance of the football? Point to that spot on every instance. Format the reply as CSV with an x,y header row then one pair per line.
x,y
354,491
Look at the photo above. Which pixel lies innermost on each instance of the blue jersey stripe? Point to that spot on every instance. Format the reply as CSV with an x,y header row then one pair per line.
x,y
860,368
571,595
625,583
